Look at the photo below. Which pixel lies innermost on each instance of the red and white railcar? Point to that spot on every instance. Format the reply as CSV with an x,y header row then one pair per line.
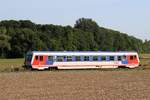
x,y
81,60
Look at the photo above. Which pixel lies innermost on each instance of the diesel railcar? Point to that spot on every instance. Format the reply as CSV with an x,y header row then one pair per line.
x,y
80,59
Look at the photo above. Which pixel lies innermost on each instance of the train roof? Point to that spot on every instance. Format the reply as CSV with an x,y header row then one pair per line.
x,y
82,52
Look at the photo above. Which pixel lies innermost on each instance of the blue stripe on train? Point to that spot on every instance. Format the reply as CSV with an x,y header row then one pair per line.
x,y
48,62
124,62
107,58
99,58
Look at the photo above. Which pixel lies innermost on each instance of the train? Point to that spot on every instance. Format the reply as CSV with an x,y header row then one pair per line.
x,y
80,59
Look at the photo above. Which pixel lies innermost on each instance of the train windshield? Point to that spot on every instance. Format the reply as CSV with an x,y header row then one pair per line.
x,y
28,58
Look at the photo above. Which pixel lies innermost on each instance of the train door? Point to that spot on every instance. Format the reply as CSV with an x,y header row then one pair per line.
x,y
49,60
36,60
39,60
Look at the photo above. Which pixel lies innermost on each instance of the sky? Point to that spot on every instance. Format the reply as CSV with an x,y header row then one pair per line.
x,y
127,16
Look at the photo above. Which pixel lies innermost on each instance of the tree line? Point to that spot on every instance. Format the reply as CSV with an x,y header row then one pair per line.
x,y
19,37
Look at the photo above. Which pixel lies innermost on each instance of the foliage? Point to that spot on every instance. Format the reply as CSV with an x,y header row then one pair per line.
x,y
19,37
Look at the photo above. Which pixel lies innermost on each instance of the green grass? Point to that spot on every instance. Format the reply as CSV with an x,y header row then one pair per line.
x,y
145,61
9,65
144,55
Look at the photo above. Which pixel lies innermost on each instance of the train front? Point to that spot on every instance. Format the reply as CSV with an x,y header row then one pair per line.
x,y
28,60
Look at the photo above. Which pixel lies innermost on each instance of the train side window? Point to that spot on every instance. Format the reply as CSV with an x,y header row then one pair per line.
x,y
112,58
115,58
86,58
107,58
95,58
82,58
119,58
99,58
103,58
60,58
78,58
36,57
134,56
50,58
131,57
41,58
69,58
124,58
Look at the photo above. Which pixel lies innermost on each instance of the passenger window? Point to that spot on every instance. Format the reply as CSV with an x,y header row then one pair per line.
x,y
123,58
41,58
115,58
36,57
50,58
103,58
119,58
60,58
78,58
69,58
86,58
111,58
95,58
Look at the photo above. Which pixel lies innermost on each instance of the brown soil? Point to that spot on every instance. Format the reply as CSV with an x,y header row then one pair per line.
x,y
76,85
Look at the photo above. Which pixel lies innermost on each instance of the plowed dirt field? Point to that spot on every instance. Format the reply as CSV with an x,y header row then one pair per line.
x,y
76,85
